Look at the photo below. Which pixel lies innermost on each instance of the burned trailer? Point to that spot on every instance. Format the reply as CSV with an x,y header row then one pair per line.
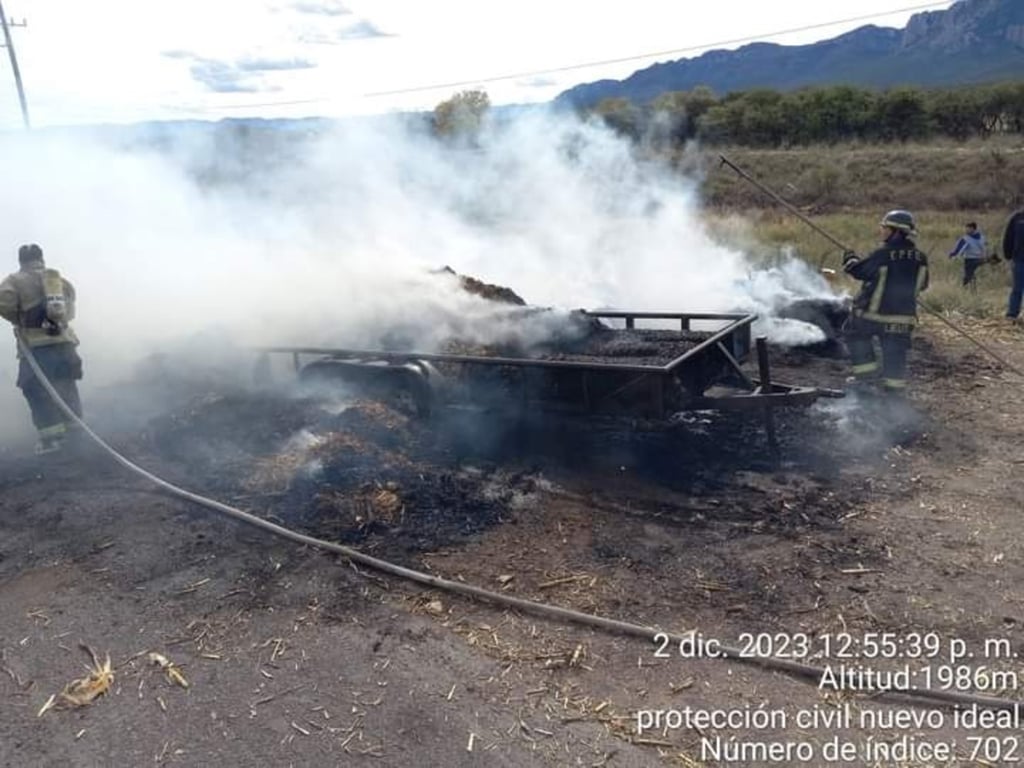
x,y
641,365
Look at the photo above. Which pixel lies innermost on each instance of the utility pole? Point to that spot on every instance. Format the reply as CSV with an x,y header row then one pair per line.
x,y
9,44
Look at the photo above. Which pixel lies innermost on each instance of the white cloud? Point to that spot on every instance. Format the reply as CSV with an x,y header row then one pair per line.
x,y
107,59
321,7
258,64
222,77
361,30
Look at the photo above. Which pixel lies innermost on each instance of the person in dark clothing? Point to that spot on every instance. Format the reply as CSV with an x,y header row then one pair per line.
x,y
1013,251
971,248
886,307
41,304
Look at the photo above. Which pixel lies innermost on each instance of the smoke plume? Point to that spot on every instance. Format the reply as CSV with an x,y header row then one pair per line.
x,y
195,249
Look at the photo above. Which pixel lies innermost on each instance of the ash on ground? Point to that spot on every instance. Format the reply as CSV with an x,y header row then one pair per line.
x,y
367,472
371,474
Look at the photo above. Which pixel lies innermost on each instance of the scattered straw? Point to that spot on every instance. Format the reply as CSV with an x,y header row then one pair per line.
x,y
79,693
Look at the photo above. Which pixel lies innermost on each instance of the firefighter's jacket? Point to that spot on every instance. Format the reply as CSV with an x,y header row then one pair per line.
x,y
893,276
23,303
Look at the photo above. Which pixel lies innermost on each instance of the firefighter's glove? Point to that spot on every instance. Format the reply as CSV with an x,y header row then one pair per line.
x,y
849,256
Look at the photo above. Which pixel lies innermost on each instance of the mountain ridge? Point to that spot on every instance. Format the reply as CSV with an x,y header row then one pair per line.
x,y
934,49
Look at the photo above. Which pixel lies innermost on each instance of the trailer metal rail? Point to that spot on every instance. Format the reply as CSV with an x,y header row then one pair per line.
x,y
707,376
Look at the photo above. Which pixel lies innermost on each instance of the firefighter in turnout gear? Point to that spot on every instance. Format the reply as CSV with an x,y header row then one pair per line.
x,y
886,307
41,304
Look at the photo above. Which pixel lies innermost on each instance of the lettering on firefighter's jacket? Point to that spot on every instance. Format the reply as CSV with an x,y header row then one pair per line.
x,y
900,255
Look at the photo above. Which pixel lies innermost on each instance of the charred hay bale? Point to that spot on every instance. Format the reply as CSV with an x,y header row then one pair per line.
x,y
371,506
375,423
419,509
218,436
497,293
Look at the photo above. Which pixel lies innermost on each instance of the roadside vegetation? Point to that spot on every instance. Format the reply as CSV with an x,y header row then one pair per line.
x,y
846,189
974,176
832,114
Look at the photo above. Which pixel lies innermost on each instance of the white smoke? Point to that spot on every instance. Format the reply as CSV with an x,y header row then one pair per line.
x,y
335,244
869,424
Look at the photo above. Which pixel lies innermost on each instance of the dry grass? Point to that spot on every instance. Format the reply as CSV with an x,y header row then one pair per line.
x,y
768,232
847,188
969,177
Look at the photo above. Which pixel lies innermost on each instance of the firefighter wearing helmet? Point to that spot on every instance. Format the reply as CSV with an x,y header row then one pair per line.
x,y
40,304
886,307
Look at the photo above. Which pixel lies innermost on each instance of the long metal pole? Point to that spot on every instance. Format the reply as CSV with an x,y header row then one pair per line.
x,y
835,241
783,202
14,67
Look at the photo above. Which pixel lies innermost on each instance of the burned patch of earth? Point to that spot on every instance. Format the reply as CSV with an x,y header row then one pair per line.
x,y
874,521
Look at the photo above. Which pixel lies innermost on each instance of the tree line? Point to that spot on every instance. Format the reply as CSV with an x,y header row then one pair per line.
x,y
770,118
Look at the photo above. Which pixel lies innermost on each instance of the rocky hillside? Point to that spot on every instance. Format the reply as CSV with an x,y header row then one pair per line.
x,y
974,41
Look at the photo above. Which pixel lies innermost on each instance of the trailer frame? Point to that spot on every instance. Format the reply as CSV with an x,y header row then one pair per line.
x,y
708,376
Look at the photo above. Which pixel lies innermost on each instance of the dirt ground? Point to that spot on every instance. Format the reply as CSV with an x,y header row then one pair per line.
x,y
878,519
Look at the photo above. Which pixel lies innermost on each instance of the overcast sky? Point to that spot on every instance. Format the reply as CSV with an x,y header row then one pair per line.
x,y
130,60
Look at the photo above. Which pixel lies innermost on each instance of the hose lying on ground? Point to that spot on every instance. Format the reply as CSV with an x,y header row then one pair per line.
x,y
686,642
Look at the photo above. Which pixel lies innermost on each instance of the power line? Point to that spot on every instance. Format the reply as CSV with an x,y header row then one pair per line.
x,y
571,67
639,56
9,43
255,105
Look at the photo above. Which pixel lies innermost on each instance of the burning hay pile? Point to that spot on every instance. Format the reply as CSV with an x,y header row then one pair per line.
x,y
385,481
527,331
499,294
360,471
513,328
370,475
369,472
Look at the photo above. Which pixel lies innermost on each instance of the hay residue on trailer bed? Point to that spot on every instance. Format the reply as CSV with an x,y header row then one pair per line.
x,y
627,347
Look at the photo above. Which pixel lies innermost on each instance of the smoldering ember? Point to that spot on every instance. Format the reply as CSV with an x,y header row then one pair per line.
x,y
402,448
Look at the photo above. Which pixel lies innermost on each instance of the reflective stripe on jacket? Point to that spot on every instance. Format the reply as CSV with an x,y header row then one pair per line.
x,y
893,276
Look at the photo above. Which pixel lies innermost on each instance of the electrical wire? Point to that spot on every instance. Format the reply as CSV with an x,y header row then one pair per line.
x,y
585,65
655,54
687,643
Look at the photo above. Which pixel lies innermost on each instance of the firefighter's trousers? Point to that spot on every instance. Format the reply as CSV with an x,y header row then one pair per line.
x,y
63,367
894,341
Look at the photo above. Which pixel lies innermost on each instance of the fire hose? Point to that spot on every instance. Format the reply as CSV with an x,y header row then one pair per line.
x,y
844,247
687,643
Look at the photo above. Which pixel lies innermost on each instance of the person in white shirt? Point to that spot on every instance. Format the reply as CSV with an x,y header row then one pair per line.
x,y
971,248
